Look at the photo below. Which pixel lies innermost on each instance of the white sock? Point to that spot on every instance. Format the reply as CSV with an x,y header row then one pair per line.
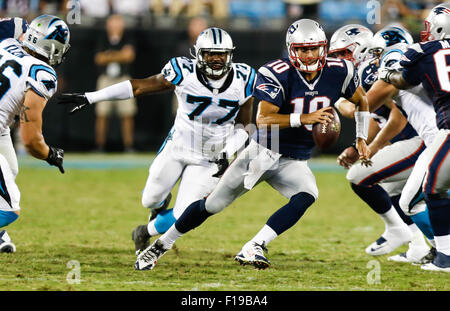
x,y
152,229
418,238
432,242
392,219
171,235
443,244
265,235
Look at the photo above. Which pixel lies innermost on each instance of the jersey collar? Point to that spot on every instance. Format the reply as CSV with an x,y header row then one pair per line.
x,y
201,77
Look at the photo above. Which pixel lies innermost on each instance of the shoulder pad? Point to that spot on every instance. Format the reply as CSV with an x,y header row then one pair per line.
x,y
177,69
42,79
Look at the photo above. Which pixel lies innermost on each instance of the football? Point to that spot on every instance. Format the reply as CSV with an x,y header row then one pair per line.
x,y
325,136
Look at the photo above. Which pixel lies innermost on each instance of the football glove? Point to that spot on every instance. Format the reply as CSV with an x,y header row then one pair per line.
x,y
56,158
79,99
222,164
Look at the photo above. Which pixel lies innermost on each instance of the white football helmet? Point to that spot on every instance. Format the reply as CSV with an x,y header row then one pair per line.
x,y
306,33
353,42
214,40
48,36
437,24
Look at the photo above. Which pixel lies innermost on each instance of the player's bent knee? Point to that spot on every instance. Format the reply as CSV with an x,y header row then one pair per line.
x,y
151,200
7,218
215,206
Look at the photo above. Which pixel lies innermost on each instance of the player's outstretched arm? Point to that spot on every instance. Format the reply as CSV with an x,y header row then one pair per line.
x,y
123,90
31,131
381,93
394,125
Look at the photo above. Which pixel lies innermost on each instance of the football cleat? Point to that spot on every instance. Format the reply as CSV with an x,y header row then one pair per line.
x,y
253,254
440,263
141,238
6,245
416,254
146,260
389,241
155,211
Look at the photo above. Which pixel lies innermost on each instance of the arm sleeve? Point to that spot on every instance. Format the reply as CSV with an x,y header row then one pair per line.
x,y
42,80
412,71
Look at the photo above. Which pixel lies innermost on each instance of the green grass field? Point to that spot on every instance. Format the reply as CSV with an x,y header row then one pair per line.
x,y
87,215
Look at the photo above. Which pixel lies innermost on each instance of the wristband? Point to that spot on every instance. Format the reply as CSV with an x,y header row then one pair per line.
x,y
294,119
362,124
338,102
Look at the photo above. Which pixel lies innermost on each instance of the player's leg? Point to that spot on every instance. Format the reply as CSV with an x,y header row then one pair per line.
x,y
412,204
195,184
164,173
229,187
294,180
9,204
393,163
436,185
418,248
7,150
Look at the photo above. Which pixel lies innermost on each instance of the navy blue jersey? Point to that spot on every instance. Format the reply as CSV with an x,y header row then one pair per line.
x,y
427,63
381,115
12,27
283,85
368,74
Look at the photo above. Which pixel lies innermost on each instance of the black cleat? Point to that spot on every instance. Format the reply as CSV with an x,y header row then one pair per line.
x,y
141,238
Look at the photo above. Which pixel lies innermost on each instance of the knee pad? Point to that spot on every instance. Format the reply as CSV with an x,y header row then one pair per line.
x,y
7,217
151,201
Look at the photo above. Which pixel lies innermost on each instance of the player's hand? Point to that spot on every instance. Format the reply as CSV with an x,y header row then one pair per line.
x,y
348,157
363,151
78,99
222,164
56,158
318,116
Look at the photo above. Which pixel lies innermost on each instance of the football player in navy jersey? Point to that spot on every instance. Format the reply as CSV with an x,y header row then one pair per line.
x,y
427,63
394,144
294,94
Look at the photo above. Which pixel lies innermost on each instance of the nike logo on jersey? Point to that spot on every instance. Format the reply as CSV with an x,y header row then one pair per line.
x,y
270,89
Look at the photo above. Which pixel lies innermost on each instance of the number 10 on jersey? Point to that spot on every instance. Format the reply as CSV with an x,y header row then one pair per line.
x,y
314,104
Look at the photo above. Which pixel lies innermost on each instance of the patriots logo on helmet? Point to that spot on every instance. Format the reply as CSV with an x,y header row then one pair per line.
x,y
59,34
441,10
270,89
353,32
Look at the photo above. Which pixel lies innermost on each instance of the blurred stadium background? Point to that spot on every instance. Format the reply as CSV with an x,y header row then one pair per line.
x,y
159,29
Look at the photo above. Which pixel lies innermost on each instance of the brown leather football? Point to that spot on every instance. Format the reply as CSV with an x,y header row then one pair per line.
x,y
325,136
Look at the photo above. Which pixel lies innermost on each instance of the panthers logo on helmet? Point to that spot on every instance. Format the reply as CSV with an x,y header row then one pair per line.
x,y
59,34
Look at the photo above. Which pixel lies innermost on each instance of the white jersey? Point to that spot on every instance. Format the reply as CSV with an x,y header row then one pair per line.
x,y
206,113
414,102
19,72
